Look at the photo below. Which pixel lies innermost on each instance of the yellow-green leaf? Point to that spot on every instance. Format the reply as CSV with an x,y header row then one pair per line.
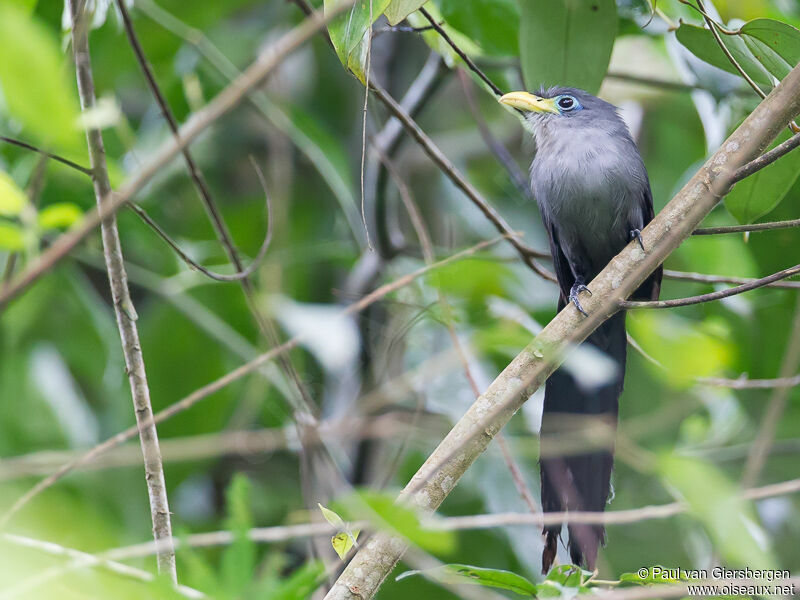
x,y
34,79
12,198
332,517
11,237
59,215
344,541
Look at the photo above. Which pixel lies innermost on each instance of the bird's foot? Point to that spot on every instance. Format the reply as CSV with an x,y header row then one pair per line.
x,y
577,288
637,233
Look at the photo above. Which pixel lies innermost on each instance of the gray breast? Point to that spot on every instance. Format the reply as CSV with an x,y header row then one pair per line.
x,y
589,185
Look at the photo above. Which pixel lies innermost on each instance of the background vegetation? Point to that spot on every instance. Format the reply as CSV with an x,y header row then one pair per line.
x,y
385,383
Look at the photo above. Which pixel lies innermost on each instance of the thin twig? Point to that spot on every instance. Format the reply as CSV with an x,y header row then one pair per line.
x,y
123,307
246,272
768,157
226,443
80,560
55,157
705,278
463,55
743,383
747,228
759,451
710,297
200,394
283,533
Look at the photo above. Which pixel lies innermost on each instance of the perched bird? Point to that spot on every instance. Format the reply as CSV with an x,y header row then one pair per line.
x,y
594,197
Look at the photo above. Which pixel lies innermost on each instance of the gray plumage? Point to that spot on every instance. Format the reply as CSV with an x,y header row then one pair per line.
x,y
594,196
588,179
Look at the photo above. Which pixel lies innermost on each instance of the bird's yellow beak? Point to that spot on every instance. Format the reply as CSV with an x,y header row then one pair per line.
x,y
529,102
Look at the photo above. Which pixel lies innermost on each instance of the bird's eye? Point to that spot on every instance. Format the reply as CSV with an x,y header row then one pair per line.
x,y
567,103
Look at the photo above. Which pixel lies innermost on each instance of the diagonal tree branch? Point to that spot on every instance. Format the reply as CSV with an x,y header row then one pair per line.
x,y
124,309
472,434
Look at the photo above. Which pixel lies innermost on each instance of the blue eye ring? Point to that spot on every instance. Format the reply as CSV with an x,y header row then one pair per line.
x,y
567,103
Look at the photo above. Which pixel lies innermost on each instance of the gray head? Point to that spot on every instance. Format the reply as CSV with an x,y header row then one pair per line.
x,y
565,111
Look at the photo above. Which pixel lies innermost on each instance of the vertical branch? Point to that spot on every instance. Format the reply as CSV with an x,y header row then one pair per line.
x,y
124,309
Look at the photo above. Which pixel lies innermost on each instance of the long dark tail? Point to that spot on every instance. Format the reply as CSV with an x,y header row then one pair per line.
x,y
574,477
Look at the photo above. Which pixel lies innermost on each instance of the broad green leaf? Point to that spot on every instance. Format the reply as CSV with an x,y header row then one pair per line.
x,y
757,195
492,24
717,503
687,350
343,541
566,42
764,48
12,237
349,32
454,574
59,215
400,9
12,198
34,80
385,514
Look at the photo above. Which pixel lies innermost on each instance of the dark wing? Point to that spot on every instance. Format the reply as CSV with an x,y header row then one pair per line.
x,y
651,286
563,272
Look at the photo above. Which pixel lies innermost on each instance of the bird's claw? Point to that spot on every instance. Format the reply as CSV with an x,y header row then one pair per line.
x,y
573,297
637,233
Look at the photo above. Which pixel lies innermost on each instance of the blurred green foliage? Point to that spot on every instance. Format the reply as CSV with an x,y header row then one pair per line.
x,y
62,377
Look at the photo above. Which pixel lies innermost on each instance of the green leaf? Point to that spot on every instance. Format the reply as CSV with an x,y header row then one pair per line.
x,y
46,103
566,42
686,350
343,541
400,9
332,517
239,559
349,32
12,198
59,215
12,237
758,194
385,514
655,574
764,48
300,584
454,574
491,24
717,503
